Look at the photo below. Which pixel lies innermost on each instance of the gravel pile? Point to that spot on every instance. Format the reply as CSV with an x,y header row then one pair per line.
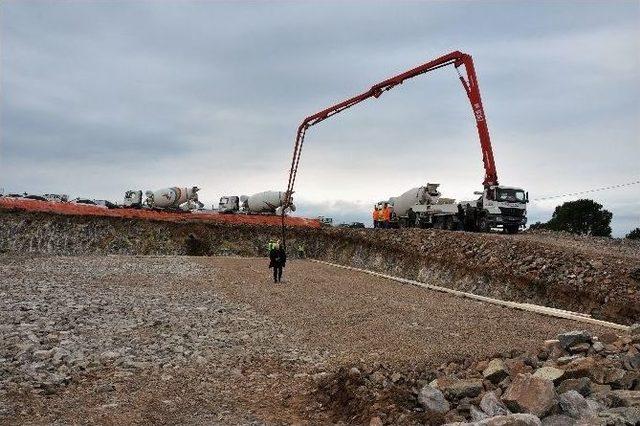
x,y
575,379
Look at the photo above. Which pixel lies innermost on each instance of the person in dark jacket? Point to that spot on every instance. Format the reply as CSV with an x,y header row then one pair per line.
x,y
277,261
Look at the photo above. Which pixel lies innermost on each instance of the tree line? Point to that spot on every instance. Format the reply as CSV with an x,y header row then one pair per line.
x,y
583,217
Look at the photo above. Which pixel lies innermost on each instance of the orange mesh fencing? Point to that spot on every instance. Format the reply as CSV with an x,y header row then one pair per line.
x,y
91,210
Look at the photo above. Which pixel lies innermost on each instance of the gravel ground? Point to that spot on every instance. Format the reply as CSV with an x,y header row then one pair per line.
x,y
124,339
358,316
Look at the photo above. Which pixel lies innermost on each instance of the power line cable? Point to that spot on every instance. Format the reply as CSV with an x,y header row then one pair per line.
x,y
605,188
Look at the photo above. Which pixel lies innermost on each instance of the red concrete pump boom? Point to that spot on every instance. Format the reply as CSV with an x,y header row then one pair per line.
x,y
470,85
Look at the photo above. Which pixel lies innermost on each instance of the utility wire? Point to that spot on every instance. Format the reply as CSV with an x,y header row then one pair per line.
x,y
605,188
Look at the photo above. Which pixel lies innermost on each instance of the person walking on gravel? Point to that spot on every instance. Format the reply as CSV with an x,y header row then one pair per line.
x,y
277,261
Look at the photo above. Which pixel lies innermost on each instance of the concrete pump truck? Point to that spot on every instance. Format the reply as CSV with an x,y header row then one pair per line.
x,y
497,207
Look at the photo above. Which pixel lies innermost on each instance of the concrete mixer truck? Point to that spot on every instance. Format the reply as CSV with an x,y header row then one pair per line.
x,y
267,202
174,198
498,207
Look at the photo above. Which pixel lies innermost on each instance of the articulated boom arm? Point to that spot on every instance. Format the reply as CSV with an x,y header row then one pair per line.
x,y
470,85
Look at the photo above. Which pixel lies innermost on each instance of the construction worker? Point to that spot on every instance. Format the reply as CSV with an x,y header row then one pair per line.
x,y
376,216
301,251
386,216
277,261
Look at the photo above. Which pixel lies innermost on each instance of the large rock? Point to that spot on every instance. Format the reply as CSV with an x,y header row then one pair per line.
x,y
477,414
495,371
558,420
432,400
573,338
508,420
624,398
528,394
491,405
632,362
458,389
574,405
581,385
620,416
549,373
580,367
606,374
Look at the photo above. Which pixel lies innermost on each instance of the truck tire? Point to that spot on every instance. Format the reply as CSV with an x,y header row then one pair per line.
x,y
512,229
412,219
483,225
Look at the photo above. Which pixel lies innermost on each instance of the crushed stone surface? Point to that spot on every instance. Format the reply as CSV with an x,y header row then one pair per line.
x,y
166,339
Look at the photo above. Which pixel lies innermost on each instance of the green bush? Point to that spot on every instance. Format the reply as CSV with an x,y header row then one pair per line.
x,y
634,234
584,217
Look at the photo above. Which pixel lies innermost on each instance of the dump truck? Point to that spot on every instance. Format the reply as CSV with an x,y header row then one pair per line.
x,y
266,202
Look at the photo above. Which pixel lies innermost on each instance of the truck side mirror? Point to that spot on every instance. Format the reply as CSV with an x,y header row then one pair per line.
x,y
527,196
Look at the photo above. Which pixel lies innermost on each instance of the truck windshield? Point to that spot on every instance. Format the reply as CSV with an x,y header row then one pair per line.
x,y
510,195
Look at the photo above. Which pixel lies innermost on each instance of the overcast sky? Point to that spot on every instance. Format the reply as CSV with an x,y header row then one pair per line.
x,y
98,97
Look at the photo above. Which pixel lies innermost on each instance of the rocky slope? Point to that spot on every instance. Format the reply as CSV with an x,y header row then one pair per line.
x,y
576,379
603,281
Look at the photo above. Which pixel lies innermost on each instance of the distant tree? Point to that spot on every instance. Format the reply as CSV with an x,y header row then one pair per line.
x,y
584,217
634,234
537,225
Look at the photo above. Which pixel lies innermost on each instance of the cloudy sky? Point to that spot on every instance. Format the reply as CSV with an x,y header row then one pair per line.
x,y
102,96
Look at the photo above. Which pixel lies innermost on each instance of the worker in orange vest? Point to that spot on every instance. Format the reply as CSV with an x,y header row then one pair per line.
x,y
376,217
386,216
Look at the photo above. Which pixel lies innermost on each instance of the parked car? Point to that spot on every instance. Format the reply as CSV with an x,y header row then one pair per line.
x,y
35,197
84,201
353,225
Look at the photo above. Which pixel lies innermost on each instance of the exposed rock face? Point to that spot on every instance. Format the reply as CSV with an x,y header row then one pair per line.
x,y
553,270
529,394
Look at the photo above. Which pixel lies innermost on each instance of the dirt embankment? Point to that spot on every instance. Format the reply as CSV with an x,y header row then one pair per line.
x,y
603,281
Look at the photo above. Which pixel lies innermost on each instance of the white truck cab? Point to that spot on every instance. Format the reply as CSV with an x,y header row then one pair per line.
x,y
229,204
502,207
132,199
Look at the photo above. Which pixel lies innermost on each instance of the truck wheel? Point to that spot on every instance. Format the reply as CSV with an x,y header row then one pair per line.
x,y
412,219
512,229
483,225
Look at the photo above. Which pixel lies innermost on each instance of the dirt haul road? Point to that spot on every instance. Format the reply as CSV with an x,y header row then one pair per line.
x,y
140,339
